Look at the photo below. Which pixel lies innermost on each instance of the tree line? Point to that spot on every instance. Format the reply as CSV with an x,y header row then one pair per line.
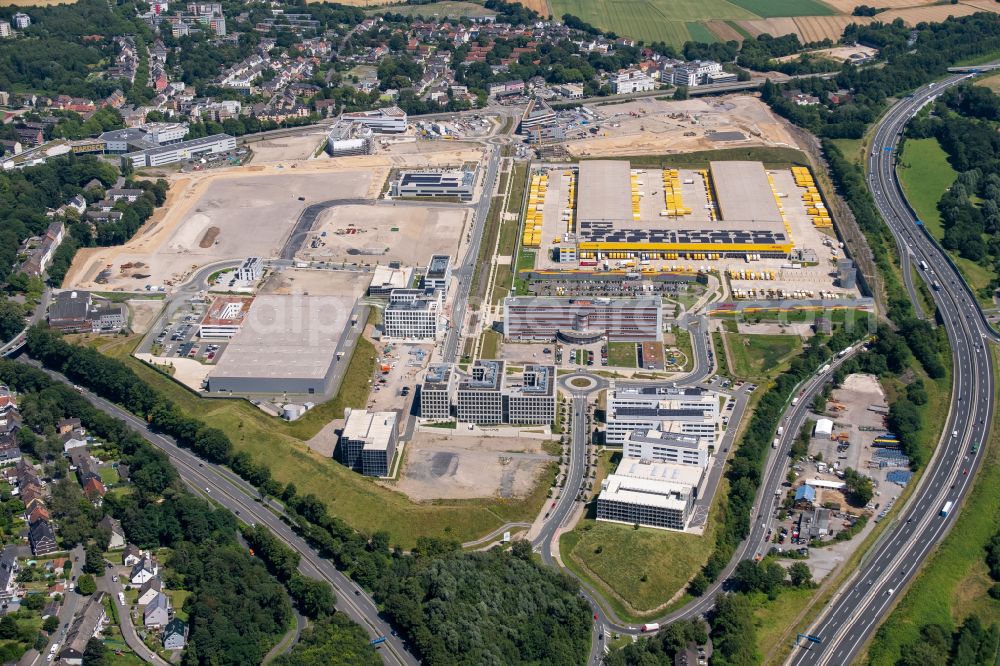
x,y
427,595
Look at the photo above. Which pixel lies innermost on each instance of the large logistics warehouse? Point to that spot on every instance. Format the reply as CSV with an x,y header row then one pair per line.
x,y
287,344
741,214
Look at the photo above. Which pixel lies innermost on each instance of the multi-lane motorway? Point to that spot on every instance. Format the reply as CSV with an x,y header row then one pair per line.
x,y
863,601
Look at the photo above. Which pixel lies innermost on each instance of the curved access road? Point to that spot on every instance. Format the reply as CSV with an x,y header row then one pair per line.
x,y
851,618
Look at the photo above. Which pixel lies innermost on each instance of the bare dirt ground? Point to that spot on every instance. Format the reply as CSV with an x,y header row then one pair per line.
x,y
299,147
661,126
837,53
187,371
270,199
420,232
316,283
143,313
460,467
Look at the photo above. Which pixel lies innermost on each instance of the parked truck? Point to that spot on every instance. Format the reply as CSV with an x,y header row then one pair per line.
x,y
652,626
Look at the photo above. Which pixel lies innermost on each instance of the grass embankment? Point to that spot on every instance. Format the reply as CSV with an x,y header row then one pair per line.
x,y
759,356
507,242
358,500
925,175
955,581
771,157
621,354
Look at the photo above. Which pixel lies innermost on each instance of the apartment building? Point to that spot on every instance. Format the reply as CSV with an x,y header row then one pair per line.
x,y
368,441
414,314
687,411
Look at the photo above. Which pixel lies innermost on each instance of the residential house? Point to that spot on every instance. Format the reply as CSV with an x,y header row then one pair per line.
x,y
10,453
87,625
131,556
73,443
144,570
94,490
64,426
149,590
175,635
157,612
37,513
8,574
117,534
42,538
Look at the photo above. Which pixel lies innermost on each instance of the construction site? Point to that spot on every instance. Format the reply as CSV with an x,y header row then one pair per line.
x,y
768,231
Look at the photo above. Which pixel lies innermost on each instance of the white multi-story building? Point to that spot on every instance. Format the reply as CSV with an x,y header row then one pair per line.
x,y
683,411
368,441
437,391
696,73
631,81
224,318
532,401
438,272
660,446
489,395
5,30
177,152
250,270
414,314
21,20
480,394
653,494
390,120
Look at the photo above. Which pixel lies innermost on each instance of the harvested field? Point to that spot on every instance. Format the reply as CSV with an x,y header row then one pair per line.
x,y
449,466
724,31
540,6
933,14
774,27
208,240
847,6
444,8
817,28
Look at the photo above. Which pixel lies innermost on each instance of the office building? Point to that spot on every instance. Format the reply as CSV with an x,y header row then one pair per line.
x,y
386,279
368,441
390,120
435,184
178,152
224,317
414,314
660,446
687,411
532,399
583,320
537,115
250,270
631,81
82,312
488,395
438,272
437,391
479,395
692,74
652,494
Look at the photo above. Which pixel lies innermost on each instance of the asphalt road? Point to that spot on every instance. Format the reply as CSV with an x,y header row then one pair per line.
x,y
465,272
228,490
855,613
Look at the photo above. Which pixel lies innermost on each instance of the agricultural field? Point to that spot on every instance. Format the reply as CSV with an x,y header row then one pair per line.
x,y
676,22
442,9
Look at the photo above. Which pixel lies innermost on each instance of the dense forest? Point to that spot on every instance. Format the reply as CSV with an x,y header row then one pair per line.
x,y
436,596
237,610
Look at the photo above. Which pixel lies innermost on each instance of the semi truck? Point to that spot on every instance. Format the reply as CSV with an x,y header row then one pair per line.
x,y
652,626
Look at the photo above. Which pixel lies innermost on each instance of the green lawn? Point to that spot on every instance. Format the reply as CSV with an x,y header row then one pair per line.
x,y
759,356
358,500
491,344
955,581
774,8
525,260
621,354
853,149
109,475
617,557
925,175
441,9
700,33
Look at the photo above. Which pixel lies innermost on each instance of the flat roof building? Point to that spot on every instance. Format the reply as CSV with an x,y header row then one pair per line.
x,y
385,279
437,391
250,270
388,120
664,446
81,311
224,317
532,400
583,320
654,494
743,192
489,395
438,272
479,397
537,116
178,152
688,411
368,441
287,344
414,314
604,191
435,184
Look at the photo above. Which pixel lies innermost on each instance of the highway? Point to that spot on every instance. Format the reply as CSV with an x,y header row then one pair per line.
x,y
235,494
860,605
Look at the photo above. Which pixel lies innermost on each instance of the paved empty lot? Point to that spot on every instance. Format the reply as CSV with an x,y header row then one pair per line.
x,y
452,466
